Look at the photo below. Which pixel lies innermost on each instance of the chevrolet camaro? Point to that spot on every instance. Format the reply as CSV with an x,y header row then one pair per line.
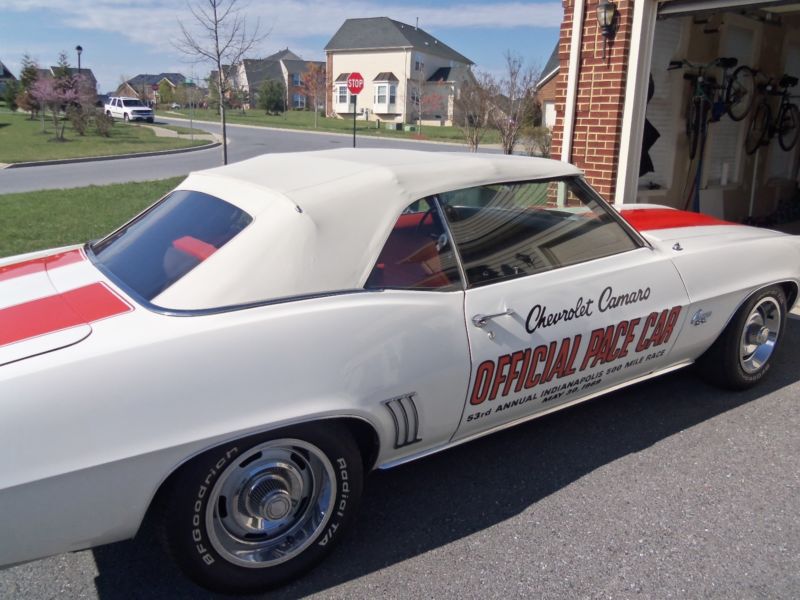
x,y
232,361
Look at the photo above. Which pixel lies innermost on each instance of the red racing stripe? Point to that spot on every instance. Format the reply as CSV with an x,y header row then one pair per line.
x,y
647,219
54,313
39,264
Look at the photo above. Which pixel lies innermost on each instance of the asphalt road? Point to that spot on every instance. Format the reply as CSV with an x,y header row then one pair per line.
x,y
669,489
244,142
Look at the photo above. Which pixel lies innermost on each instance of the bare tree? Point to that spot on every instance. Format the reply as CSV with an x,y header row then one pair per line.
x,y
223,40
471,107
511,99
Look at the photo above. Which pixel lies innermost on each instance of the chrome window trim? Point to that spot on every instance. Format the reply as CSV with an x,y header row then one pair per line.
x,y
579,182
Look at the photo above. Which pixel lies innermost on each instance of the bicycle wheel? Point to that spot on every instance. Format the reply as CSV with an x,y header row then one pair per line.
x,y
694,122
788,126
740,93
758,130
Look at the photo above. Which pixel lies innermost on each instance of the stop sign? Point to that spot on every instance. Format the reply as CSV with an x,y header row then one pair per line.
x,y
355,83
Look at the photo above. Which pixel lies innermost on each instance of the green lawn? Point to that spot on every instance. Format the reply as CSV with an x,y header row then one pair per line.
x,y
22,140
50,218
304,119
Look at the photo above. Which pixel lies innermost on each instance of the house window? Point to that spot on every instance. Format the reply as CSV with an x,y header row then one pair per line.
x,y
341,94
295,79
415,96
298,101
380,94
419,65
392,94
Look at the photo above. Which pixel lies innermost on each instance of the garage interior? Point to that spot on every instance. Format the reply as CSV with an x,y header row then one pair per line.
x,y
722,180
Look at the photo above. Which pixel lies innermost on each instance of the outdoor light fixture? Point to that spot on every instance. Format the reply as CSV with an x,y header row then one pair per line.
x,y
79,49
607,20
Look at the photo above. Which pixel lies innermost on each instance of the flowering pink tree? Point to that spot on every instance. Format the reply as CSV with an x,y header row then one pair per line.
x,y
50,95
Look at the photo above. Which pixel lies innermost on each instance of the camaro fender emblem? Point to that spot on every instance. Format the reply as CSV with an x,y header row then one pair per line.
x,y
700,317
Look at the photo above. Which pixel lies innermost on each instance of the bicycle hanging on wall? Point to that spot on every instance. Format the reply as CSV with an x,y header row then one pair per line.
x,y
710,100
785,125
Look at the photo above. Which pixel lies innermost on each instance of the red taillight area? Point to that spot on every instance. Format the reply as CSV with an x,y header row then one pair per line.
x,y
36,265
193,247
61,311
647,219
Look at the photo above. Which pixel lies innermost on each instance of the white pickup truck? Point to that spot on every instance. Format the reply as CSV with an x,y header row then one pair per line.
x,y
129,109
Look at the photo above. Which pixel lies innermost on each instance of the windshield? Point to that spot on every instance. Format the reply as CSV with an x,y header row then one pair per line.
x,y
164,243
132,103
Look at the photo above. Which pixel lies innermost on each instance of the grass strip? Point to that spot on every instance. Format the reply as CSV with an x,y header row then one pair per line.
x,y
303,119
32,221
22,140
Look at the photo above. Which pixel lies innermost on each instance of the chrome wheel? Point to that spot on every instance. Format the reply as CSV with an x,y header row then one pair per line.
x,y
271,503
759,335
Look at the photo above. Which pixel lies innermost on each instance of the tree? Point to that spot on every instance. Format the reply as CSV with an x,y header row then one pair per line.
x,y
10,95
48,94
313,82
271,96
511,100
165,93
27,77
471,107
62,73
222,40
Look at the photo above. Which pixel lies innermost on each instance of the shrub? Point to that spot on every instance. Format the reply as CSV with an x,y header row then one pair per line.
x,y
537,141
79,118
103,123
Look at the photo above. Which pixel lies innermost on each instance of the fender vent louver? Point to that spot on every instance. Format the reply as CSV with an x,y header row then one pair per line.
x,y
406,419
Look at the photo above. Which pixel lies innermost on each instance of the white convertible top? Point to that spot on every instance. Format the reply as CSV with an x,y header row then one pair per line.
x,y
321,218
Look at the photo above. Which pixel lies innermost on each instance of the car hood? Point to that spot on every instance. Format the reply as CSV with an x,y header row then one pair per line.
x,y
47,303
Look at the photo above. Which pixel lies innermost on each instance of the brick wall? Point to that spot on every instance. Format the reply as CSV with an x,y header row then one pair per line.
x,y
600,94
547,92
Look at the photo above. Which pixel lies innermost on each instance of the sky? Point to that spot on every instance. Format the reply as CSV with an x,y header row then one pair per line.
x,y
122,38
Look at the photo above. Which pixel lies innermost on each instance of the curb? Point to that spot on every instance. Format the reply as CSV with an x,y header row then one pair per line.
x,y
65,161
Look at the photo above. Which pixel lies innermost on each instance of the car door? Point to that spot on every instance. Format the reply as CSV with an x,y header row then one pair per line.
x,y
563,299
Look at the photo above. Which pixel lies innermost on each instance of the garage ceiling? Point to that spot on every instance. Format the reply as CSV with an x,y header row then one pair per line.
x,y
670,8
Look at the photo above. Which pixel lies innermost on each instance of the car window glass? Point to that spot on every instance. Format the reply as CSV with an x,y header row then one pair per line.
x,y
161,245
418,253
511,230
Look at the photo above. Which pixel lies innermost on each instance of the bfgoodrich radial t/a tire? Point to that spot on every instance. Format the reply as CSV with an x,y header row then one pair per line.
x,y
255,513
743,354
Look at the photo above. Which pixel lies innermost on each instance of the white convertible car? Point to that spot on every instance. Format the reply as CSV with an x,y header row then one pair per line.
x,y
233,360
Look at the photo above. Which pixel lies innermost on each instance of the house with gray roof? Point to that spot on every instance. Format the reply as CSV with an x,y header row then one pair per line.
x,y
6,77
546,89
408,73
89,80
145,85
284,66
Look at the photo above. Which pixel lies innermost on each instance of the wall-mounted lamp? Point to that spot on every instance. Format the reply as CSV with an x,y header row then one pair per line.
x,y
607,20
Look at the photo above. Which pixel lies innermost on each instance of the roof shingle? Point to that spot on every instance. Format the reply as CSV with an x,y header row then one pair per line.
x,y
382,32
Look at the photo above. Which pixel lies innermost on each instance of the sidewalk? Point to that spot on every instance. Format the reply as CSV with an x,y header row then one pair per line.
x,y
164,132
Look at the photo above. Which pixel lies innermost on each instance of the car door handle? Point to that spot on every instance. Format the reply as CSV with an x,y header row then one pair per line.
x,y
482,320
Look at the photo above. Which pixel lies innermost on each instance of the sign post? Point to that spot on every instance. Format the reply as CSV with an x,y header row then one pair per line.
x,y
355,83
